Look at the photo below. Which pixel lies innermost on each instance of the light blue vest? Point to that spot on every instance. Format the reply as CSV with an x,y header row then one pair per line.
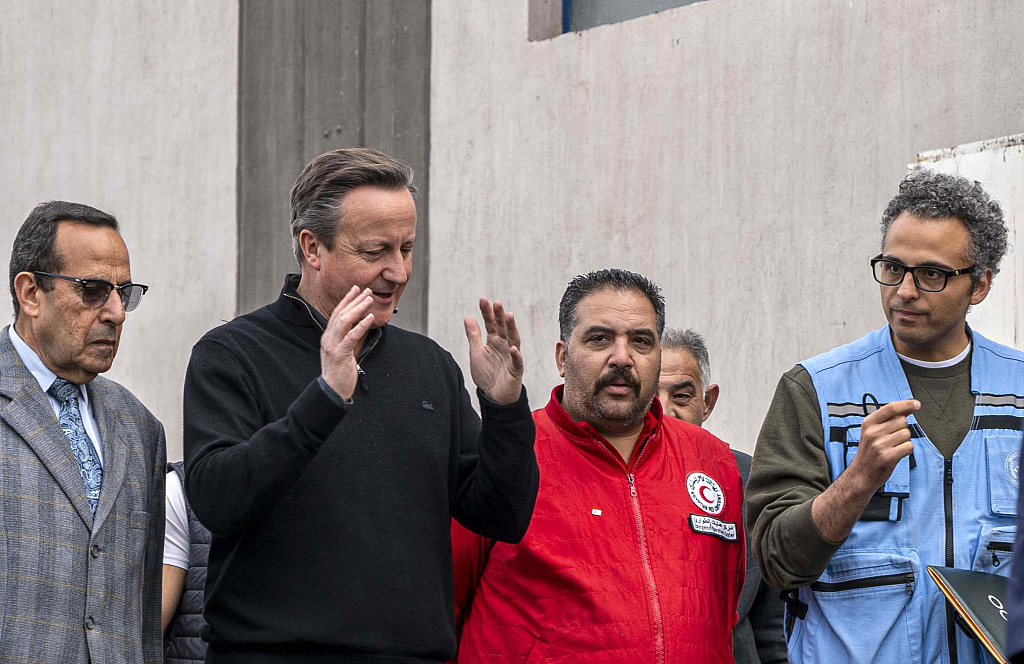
x,y
875,601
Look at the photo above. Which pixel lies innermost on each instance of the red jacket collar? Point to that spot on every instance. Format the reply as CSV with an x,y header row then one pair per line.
x,y
584,433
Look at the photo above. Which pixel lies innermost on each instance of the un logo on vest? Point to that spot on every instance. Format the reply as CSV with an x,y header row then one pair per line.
x,y
1012,467
705,493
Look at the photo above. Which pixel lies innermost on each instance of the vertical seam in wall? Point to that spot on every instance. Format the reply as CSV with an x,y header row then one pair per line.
x,y
238,162
301,9
362,76
426,166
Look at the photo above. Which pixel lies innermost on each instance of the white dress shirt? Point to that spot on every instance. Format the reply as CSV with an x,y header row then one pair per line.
x,y
45,377
176,535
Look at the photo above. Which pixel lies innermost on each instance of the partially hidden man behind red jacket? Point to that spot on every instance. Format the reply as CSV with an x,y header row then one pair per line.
x,y
638,561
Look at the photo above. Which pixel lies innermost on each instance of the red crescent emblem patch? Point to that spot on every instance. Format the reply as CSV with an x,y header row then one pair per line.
x,y
705,492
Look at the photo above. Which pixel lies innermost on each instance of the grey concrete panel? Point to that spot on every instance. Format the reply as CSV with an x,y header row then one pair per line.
x,y
738,153
271,129
334,40
396,119
545,19
318,75
130,107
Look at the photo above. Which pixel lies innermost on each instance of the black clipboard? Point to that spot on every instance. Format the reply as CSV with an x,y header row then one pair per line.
x,y
980,602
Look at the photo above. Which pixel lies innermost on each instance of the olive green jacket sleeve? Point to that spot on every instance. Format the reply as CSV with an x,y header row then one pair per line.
x,y
789,470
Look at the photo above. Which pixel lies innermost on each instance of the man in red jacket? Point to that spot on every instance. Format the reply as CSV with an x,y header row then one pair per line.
x,y
635,552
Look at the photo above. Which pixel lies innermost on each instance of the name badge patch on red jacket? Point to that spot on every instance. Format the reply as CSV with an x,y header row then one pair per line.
x,y
709,525
705,493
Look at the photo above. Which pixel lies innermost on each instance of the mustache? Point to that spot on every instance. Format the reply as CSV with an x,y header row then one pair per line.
x,y
93,338
618,375
903,306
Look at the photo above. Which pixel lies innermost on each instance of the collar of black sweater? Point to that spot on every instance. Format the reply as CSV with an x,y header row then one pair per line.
x,y
295,309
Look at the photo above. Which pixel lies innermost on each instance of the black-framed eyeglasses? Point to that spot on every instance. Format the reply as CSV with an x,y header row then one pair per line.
x,y
95,292
926,277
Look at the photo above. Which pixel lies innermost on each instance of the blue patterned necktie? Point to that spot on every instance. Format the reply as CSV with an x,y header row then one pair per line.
x,y
71,422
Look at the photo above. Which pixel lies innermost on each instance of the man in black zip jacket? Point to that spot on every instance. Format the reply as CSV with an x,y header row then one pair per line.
x,y
327,450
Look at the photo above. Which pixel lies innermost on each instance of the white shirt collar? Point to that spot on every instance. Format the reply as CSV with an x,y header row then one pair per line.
x,y
942,363
42,374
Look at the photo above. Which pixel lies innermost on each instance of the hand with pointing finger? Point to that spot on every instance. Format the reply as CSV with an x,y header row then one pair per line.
x,y
884,440
496,364
343,338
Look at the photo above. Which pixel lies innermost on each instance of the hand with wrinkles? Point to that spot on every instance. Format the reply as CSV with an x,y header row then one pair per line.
x,y
343,338
497,364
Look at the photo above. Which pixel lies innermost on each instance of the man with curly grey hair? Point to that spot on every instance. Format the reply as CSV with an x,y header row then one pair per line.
x,y
897,451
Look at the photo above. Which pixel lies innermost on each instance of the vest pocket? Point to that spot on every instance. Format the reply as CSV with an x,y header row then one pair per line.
x,y
1002,454
887,503
859,610
995,550
905,579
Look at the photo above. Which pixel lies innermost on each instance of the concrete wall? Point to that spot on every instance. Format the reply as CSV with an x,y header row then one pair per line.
x,y
131,107
737,152
999,166
316,75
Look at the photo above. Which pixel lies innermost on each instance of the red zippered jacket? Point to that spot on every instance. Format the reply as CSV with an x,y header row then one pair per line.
x,y
637,563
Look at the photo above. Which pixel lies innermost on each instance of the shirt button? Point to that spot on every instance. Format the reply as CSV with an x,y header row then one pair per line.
x,y
90,623
96,550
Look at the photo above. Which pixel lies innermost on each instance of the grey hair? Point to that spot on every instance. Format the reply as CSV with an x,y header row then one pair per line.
x,y
319,190
35,245
932,195
614,278
693,343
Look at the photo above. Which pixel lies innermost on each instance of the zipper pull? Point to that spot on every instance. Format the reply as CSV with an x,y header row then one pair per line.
x,y
995,560
910,590
361,380
632,485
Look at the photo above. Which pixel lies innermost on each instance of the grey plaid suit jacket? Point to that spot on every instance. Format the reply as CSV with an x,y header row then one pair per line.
x,y
74,589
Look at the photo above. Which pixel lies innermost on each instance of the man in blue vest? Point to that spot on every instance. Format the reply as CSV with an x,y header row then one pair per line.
x,y
1015,599
898,450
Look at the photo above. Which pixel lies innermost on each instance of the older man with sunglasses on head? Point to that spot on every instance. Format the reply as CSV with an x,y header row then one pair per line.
x,y
81,460
897,451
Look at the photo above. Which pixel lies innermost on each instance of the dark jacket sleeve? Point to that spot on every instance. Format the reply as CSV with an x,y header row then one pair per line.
x,y
497,475
237,468
789,470
764,609
766,617
152,583
469,559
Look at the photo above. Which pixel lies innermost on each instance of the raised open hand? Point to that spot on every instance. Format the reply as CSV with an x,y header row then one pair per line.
x,y
342,339
497,364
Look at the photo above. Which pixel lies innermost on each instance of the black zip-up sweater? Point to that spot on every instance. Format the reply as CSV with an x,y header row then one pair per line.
x,y
331,523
